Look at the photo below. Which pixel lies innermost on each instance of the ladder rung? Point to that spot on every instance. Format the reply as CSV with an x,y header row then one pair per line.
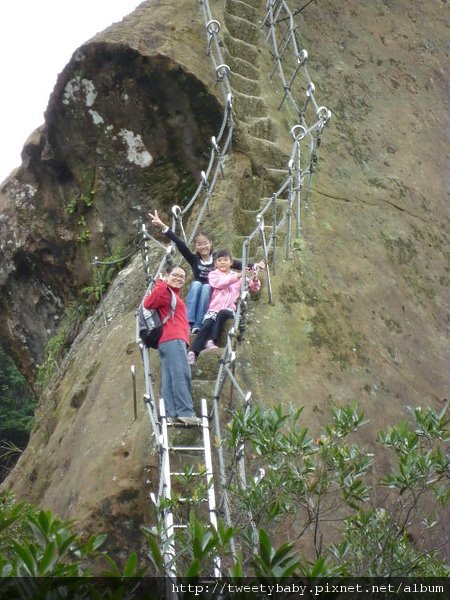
x,y
196,448
179,526
180,473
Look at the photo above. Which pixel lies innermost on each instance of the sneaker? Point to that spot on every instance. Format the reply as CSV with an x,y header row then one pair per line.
x,y
171,420
210,345
192,359
190,420
195,330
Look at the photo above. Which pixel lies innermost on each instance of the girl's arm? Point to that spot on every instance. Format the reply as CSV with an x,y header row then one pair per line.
x,y
182,247
237,264
220,280
184,250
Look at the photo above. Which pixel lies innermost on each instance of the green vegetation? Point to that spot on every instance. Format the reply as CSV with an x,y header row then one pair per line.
x,y
322,495
74,315
85,234
322,492
16,413
78,205
104,273
35,543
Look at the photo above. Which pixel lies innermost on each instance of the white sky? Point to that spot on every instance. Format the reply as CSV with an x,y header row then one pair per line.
x,y
37,40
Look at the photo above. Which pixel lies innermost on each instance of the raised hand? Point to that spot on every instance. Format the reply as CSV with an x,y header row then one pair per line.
x,y
156,221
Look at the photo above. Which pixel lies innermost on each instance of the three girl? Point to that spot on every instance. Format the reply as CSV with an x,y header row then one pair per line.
x,y
202,263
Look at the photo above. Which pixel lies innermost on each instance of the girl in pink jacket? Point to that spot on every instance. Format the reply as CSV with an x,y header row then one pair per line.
x,y
226,287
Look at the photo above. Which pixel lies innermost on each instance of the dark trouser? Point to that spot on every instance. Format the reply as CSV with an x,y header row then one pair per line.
x,y
211,330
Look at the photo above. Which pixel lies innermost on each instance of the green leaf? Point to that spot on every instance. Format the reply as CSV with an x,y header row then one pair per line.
x,y
27,558
48,560
194,568
113,568
130,565
265,547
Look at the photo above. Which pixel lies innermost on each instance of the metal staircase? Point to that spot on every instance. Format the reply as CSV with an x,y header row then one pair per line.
x,y
173,450
185,453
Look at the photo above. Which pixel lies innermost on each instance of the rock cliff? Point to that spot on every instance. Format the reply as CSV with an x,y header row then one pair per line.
x,y
361,309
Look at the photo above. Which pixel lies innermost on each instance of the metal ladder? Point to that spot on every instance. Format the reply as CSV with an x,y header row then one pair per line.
x,y
203,449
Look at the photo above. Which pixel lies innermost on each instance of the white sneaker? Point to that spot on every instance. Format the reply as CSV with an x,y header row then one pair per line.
x,y
192,359
190,420
210,345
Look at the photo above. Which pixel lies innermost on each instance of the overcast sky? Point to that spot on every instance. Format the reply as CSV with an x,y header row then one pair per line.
x,y
37,39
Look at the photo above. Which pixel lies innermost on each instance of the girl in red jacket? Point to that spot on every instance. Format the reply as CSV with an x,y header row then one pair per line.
x,y
175,372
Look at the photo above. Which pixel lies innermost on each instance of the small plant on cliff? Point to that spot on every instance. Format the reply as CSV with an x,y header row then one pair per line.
x,y
76,203
85,234
79,204
55,347
103,275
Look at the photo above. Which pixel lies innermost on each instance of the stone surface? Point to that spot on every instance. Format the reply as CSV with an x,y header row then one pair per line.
x,y
361,310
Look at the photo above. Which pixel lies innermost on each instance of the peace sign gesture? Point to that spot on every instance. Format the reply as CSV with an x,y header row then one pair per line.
x,y
156,221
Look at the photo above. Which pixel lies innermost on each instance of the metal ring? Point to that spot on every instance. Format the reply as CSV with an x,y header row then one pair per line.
x,y
176,211
222,71
324,113
213,26
310,89
302,56
298,132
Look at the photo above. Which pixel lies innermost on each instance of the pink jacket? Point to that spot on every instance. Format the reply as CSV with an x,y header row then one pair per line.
x,y
226,289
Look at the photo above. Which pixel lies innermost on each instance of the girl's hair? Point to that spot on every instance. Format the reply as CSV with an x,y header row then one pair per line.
x,y
222,253
204,234
170,268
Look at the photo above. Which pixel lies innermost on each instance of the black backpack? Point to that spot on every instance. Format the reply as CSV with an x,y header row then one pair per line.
x,y
150,324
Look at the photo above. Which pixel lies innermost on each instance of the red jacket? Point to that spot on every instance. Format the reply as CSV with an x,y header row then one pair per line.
x,y
177,327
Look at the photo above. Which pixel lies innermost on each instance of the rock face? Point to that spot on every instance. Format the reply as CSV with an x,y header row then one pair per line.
x,y
119,112
361,310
